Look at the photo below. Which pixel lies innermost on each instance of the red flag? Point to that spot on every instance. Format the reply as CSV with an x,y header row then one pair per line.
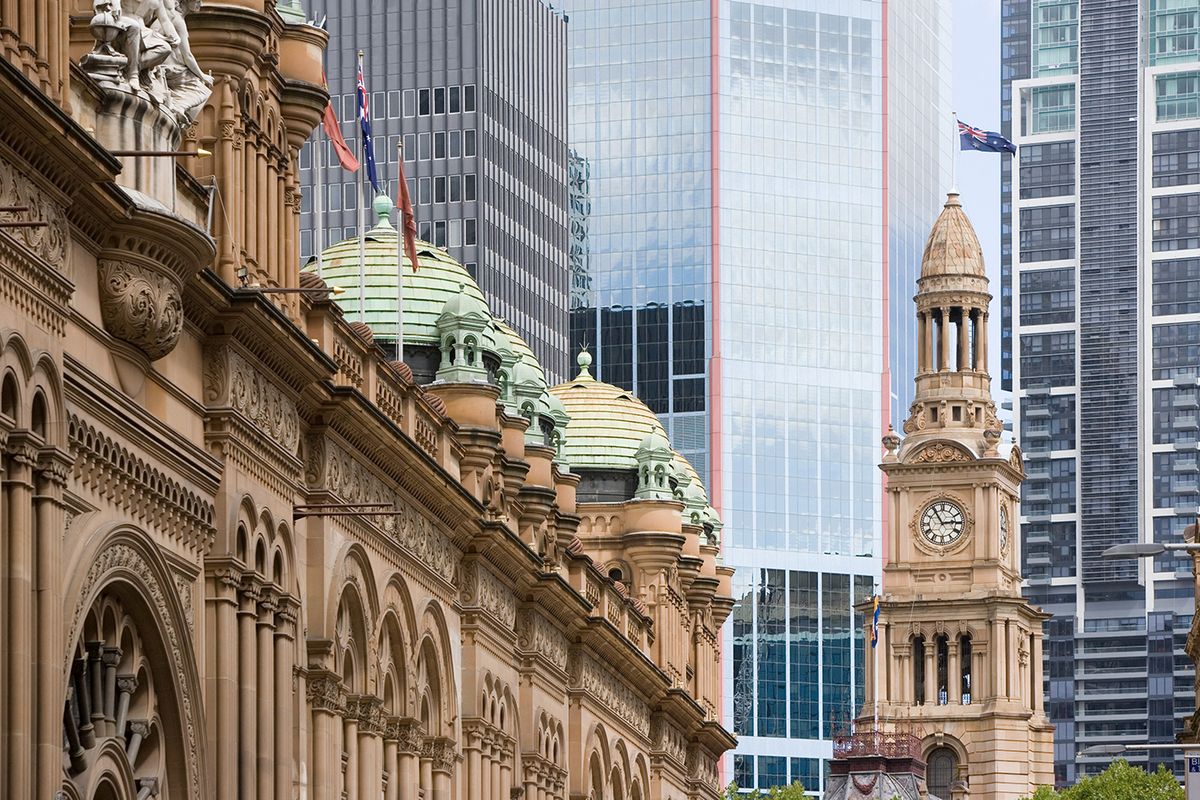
x,y
404,203
334,131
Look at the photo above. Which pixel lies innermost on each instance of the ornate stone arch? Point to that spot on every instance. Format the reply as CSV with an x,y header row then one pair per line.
x,y
435,672
124,571
47,380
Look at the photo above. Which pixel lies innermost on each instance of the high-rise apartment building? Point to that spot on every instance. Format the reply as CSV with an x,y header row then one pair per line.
x,y
1101,267
752,185
476,91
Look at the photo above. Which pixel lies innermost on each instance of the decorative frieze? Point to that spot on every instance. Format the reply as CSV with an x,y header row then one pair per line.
x,y
47,243
482,589
330,468
610,691
537,634
230,380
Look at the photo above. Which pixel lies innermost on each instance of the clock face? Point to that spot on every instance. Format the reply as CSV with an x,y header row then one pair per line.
x,y
1004,529
943,522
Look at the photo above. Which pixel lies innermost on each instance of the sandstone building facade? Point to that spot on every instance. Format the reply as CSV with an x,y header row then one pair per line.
x,y
958,660
245,553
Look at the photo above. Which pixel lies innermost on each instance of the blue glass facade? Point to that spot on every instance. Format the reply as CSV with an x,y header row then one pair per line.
x,y
799,182
1102,235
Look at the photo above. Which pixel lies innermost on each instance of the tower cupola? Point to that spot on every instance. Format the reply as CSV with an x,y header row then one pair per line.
x,y
953,392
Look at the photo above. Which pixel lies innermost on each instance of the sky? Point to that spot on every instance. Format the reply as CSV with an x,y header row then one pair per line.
x,y
976,90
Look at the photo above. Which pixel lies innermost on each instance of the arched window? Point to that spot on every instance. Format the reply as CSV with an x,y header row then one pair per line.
x,y
918,663
939,773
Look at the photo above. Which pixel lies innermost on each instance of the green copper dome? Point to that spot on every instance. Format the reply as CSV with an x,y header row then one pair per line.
x,y
608,424
426,291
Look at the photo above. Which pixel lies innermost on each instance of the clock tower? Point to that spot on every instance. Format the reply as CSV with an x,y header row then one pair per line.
x,y
959,651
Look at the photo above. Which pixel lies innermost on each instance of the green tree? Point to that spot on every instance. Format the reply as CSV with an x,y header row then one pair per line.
x,y
793,791
1119,782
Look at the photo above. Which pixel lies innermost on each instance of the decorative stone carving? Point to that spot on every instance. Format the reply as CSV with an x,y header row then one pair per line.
x,y
330,468
325,692
482,589
940,453
535,633
145,51
231,379
141,306
46,242
612,693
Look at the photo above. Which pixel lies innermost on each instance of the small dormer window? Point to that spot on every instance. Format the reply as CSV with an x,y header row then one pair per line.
x,y
616,574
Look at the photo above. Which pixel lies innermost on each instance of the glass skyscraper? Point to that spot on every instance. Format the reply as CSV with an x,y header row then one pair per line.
x,y
752,184
1102,261
476,91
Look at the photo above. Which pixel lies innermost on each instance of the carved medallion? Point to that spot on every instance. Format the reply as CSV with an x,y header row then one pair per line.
x,y
140,306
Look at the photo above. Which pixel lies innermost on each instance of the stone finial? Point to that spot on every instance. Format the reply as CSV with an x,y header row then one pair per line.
x,y
891,443
584,360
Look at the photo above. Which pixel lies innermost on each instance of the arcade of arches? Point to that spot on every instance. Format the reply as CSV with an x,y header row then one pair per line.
x,y
246,553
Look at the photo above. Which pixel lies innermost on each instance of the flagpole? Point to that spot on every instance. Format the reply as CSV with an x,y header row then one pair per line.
x,y
319,200
954,156
875,669
400,222
362,202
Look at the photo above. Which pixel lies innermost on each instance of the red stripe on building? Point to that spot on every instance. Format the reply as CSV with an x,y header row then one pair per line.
x,y
886,373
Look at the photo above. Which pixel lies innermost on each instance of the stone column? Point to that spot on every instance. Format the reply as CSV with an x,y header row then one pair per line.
x,y
1035,661
19,624
222,603
1014,687
350,726
391,757
265,747
324,695
53,469
485,767
983,339
444,757
426,770
474,780
931,672
944,346
285,756
497,757
999,659
928,343
126,686
110,657
369,774
408,753
964,353
977,331
506,761
885,664
953,672
247,693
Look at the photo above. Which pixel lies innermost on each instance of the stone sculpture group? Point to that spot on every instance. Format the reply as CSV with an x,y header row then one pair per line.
x,y
145,51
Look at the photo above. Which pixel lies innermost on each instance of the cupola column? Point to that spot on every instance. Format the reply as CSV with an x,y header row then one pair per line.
x,y
944,345
964,354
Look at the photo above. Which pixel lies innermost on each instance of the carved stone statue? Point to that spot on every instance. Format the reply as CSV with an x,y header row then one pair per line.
x,y
144,50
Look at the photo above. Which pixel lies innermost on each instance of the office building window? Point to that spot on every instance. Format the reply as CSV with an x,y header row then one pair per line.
x,y
469,97
454,188
1048,109
410,147
439,100
1047,234
1173,32
439,233
439,190
1176,415
469,187
424,231
1177,96
423,102
424,151
1176,222
1047,296
439,144
1048,423
456,233
469,232
1176,158
454,144
1177,286
423,192
1176,351
469,142
410,102
1049,488
1047,170
1047,359
454,100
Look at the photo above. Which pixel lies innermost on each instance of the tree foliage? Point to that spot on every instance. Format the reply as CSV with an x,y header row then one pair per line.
x,y
793,791
1120,781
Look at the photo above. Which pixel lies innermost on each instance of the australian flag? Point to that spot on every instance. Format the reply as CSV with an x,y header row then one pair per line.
x,y
364,119
972,138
